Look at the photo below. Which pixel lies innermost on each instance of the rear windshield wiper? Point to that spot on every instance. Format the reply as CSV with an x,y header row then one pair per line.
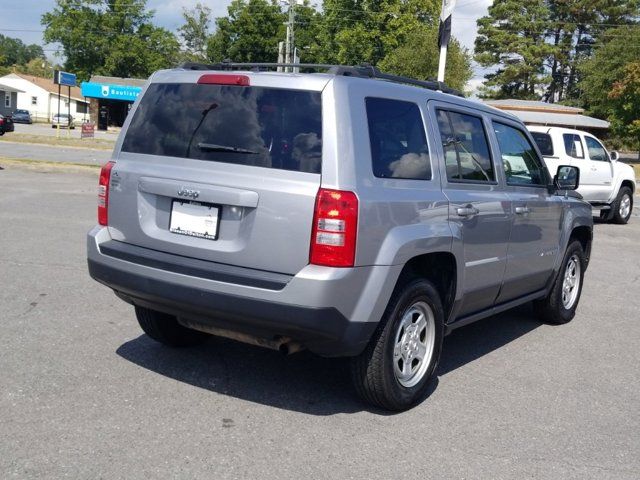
x,y
212,147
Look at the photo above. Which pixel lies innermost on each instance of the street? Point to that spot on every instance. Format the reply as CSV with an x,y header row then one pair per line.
x,y
50,153
84,394
45,129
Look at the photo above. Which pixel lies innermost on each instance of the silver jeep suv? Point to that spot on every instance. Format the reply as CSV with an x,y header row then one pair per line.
x,y
349,212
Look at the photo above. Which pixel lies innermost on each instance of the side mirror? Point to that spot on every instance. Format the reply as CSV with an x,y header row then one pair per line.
x,y
615,156
567,178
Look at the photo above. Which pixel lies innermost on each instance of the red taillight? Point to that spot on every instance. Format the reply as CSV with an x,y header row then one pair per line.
x,y
335,224
103,193
218,79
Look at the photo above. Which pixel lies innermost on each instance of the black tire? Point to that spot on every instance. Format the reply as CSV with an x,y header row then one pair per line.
x,y
623,194
165,329
552,309
1,132
372,371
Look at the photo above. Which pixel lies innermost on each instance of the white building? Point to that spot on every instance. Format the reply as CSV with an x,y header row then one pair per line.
x,y
40,97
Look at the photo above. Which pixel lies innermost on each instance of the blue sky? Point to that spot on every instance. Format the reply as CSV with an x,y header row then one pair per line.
x,y
21,19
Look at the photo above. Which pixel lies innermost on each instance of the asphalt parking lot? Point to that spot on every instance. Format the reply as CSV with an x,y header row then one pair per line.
x,y
84,394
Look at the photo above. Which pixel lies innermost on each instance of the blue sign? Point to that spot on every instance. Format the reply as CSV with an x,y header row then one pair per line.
x,y
113,92
64,78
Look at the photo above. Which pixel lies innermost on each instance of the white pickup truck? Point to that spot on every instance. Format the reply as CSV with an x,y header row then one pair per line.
x,y
604,182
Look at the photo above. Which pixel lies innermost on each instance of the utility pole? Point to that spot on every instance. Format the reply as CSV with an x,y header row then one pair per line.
x,y
290,43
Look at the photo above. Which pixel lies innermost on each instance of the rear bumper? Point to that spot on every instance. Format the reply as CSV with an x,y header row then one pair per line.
x,y
332,312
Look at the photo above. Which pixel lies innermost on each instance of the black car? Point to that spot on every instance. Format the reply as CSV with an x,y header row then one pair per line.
x,y
6,125
22,116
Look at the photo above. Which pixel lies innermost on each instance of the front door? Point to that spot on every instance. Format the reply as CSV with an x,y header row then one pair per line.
x,y
478,206
535,234
597,175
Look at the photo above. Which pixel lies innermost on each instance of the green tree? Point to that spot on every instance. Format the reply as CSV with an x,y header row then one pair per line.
x,y
195,32
367,31
419,56
109,37
38,67
14,51
512,37
574,32
249,33
607,80
625,105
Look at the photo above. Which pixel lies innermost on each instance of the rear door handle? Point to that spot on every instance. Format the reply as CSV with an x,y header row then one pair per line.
x,y
467,211
522,210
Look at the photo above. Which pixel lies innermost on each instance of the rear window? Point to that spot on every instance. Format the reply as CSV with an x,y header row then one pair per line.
x,y
545,145
257,126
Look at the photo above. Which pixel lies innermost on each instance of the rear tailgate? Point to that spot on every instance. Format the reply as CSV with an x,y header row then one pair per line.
x,y
220,172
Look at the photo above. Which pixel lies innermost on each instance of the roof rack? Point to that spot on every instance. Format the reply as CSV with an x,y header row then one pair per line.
x,y
363,71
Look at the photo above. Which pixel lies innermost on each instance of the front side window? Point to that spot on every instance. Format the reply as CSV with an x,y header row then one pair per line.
x,y
596,150
466,151
520,160
573,145
398,143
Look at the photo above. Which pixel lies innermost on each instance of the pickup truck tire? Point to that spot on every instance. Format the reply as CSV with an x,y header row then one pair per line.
x,y
623,206
165,329
559,306
411,328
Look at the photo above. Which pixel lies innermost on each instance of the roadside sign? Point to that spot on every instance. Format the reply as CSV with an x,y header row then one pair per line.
x,y
88,130
64,78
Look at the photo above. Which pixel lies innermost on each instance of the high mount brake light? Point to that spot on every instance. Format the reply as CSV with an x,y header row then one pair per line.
x,y
103,193
335,225
223,79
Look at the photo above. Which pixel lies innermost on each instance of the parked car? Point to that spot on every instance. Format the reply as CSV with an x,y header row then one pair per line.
x,y
607,184
348,215
6,125
22,116
63,120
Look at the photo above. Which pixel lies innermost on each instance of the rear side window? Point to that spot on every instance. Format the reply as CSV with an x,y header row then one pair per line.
x,y
573,145
545,145
263,127
520,160
466,151
398,142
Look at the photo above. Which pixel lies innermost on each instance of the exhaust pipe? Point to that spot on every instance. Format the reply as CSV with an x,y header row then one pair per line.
x,y
284,345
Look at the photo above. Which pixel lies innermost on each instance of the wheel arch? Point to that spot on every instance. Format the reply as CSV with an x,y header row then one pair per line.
x,y
584,235
441,269
628,183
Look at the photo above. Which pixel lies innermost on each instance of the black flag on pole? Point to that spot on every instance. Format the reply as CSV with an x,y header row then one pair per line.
x,y
444,30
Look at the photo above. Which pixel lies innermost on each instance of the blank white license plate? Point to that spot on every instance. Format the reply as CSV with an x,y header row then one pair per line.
x,y
194,219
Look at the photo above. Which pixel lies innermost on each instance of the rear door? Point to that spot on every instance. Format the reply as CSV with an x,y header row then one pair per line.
x,y
535,234
220,170
478,204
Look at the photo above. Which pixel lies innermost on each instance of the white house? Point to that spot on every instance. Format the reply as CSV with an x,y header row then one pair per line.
x,y
40,97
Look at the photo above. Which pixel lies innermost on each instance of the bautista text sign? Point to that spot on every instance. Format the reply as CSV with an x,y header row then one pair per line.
x,y
113,92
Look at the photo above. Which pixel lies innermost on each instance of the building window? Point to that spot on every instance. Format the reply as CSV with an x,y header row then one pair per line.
x,y
34,100
7,100
82,107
